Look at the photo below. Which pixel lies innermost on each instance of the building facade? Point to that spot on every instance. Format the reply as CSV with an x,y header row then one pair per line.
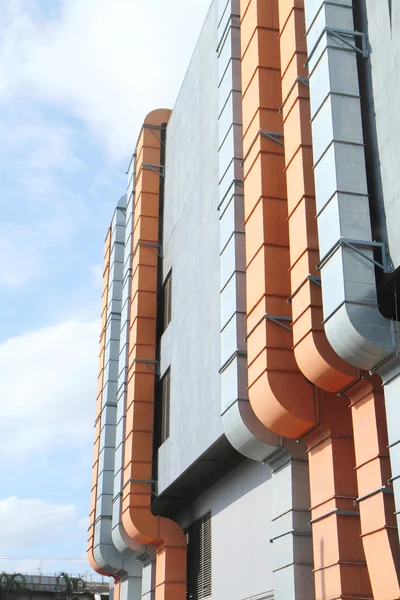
x,y
247,429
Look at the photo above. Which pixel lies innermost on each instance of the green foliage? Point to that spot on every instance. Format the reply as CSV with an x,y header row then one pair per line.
x,y
11,584
75,588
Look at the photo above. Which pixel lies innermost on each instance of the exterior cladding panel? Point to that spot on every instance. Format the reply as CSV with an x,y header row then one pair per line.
x,y
191,343
384,39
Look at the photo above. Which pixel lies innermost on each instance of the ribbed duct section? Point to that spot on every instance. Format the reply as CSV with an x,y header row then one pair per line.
x,y
349,256
241,426
130,586
121,540
99,403
137,519
105,554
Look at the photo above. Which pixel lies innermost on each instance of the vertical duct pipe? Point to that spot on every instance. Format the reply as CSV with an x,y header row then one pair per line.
x,y
105,554
133,553
292,550
354,327
280,396
137,519
99,403
241,426
315,357
291,536
376,501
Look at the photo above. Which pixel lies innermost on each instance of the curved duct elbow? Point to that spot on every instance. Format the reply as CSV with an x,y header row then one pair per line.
x,y
241,427
247,434
353,324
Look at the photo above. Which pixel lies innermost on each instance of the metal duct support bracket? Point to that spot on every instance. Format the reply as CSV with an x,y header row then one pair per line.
x,y
302,80
154,365
355,245
153,129
154,168
277,319
312,278
343,35
273,135
156,247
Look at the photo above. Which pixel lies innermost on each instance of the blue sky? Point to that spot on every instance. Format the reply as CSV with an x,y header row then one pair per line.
x,y
77,78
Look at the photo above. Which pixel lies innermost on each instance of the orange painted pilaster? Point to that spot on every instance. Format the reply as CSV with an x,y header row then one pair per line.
x,y
314,355
283,400
95,468
139,522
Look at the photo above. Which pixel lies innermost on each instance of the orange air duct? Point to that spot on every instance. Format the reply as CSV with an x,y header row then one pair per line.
x,y
95,468
376,500
137,519
283,400
314,355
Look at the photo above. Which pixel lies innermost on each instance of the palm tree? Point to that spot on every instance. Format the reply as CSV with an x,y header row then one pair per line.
x,y
75,588
11,584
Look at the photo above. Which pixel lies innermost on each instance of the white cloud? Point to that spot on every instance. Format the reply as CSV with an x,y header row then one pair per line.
x,y
32,142
48,382
28,523
39,213
31,519
108,62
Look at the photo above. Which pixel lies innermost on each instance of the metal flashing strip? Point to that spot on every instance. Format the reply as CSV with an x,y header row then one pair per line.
x,y
384,490
229,24
337,512
342,34
231,359
312,278
234,182
353,244
293,532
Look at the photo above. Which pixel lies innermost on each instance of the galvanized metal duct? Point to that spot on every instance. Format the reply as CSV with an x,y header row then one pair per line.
x,y
131,581
103,554
353,324
241,426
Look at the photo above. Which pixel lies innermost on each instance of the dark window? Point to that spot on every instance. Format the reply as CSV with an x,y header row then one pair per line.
x,y
198,539
165,403
167,300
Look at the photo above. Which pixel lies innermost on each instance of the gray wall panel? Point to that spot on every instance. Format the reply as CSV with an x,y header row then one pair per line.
x,y
241,512
191,248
